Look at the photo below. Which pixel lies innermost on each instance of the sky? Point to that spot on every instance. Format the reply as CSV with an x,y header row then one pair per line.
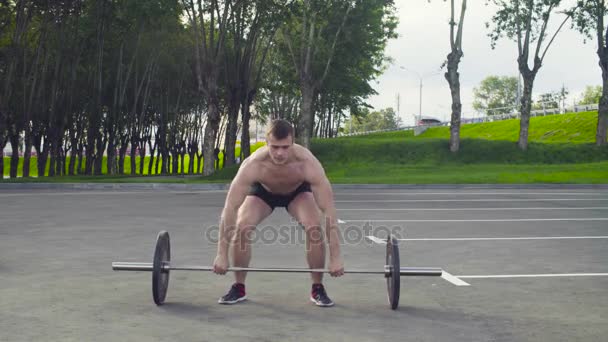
x,y
423,45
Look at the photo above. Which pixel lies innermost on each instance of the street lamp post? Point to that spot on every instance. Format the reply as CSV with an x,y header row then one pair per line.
x,y
420,78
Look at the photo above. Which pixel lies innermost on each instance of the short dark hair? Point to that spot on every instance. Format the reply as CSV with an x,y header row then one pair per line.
x,y
280,129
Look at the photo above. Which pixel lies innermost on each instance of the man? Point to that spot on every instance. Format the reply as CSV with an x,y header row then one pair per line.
x,y
281,174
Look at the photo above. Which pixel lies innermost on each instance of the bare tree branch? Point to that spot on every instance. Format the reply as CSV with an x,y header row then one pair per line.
x,y
554,35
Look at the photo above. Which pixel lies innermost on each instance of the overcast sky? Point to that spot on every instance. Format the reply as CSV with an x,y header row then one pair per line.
x,y
423,45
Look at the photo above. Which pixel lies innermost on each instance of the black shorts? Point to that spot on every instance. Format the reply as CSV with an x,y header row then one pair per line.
x,y
275,200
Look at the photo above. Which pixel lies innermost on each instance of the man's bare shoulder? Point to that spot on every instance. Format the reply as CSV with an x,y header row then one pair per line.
x,y
258,156
313,170
303,154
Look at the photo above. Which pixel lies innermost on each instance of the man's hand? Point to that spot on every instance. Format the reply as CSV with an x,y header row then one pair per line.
x,y
336,266
220,264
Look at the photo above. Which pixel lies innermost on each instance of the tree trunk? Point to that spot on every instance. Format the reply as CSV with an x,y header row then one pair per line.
x,y
90,156
60,165
211,131
55,143
159,159
181,155
191,163
152,151
121,157
230,138
101,147
329,124
165,160
53,152
453,78
526,104
73,152
338,124
142,157
2,145
305,123
199,163
27,153
111,158
2,160
174,162
43,153
602,112
79,166
59,159
245,138
192,149
14,139
132,155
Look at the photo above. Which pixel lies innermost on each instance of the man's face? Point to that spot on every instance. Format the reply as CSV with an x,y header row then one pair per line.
x,y
279,149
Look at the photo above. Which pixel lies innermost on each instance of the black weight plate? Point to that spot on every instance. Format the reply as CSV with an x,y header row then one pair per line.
x,y
393,280
160,277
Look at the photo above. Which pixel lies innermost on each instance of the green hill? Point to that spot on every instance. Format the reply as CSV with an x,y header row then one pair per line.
x,y
576,128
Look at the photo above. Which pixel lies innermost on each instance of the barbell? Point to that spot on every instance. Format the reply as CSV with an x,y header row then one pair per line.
x,y
161,267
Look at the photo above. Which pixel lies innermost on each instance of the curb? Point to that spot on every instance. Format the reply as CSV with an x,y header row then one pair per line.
x,y
225,186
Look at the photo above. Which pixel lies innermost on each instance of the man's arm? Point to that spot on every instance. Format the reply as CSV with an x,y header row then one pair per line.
x,y
323,193
239,188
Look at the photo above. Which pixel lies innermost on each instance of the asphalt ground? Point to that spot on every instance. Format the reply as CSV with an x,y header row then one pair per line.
x,y
548,247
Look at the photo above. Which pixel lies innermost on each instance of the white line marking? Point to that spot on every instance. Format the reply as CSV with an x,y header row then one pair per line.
x,y
468,193
453,279
473,209
340,221
489,220
108,192
508,238
474,200
376,240
533,275
383,241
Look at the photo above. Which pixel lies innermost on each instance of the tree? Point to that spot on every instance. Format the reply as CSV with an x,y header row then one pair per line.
x,y
318,33
366,121
362,58
210,21
550,100
589,20
250,37
525,21
7,10
591,95
452,75
311,37
495,95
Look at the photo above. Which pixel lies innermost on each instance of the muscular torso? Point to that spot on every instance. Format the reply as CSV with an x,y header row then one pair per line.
x,y
280,179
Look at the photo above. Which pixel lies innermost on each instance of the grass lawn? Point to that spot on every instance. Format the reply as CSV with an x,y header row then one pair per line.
x,y
383,173
589,173
572,128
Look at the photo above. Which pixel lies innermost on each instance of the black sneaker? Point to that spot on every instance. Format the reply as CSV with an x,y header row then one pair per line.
x,y
319,296
235,295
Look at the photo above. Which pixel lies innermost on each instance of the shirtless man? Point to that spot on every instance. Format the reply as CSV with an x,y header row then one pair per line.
x,y
281,174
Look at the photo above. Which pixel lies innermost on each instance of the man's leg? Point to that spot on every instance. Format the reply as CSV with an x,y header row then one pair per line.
x,y
304,209
253,211
250,214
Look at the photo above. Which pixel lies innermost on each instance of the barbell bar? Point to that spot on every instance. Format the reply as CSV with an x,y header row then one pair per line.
x,y
148,267
161,267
